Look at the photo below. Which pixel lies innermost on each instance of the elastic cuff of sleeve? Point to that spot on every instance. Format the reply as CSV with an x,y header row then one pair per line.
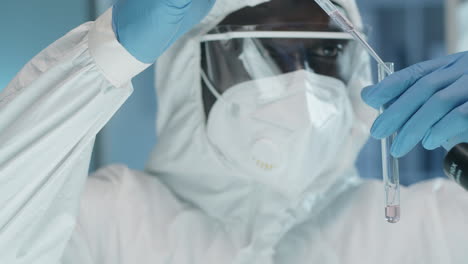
x,y
116,63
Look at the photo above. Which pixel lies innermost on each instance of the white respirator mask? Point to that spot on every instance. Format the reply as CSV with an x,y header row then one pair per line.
x,y
283,131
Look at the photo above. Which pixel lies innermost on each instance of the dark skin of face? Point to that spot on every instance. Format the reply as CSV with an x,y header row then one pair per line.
x,y
290,54
290,12
279,12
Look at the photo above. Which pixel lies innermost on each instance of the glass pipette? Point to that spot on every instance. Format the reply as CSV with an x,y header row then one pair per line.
x,y
347,26
389,163
390,170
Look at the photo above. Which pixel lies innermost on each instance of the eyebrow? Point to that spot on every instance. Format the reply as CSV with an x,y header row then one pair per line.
x,y
341,7
335,3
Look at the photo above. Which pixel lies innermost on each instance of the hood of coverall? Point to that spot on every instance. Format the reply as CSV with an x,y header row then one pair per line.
x,y
191,167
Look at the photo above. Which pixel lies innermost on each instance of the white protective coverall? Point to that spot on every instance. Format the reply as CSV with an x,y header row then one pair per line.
x,y
188,207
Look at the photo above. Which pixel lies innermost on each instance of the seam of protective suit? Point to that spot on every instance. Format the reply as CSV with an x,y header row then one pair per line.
x,y
115,62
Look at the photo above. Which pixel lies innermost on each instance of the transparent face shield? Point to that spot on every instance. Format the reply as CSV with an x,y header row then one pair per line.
x,y
235,54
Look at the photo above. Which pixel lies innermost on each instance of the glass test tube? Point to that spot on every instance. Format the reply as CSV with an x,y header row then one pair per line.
x,y
390,170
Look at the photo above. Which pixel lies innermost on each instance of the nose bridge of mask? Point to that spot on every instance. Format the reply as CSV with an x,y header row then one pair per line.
x,y
251,93
256,60
290,101
311,100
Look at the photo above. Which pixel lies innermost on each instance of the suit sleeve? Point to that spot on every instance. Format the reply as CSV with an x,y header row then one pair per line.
x,y
50,114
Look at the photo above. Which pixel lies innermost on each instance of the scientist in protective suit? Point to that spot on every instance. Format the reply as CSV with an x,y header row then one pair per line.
x,y
259,124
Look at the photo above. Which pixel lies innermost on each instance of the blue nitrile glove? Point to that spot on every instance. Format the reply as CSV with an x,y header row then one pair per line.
x,y
430,104
146,28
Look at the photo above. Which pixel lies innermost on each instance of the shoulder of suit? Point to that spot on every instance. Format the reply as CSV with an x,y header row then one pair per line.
x,y
122,190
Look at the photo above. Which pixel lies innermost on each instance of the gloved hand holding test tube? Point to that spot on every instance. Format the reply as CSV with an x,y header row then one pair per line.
x,y
389,163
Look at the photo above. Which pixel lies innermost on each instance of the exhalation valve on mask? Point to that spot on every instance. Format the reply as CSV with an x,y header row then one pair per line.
x,y
266,154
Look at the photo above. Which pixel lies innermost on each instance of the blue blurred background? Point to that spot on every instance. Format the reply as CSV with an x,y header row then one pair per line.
x,y
403,31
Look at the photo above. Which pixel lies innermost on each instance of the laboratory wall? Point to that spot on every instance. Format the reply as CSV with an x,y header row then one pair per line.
x,y
28,26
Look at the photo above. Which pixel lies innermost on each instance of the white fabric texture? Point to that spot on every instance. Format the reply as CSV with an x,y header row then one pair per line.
x,y
189,208
49,116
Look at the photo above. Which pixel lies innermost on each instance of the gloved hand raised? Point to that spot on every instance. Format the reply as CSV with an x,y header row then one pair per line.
x,y
430,104
146,28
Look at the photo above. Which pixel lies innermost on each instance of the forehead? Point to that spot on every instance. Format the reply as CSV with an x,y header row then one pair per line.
x,y
278,12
